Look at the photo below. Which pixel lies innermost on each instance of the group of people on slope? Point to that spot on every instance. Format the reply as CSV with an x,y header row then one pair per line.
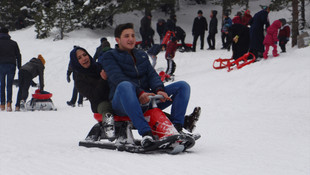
x,y
10,58
244,33
122,79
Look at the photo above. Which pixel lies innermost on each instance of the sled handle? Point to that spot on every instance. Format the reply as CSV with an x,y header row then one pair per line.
x,y
155,99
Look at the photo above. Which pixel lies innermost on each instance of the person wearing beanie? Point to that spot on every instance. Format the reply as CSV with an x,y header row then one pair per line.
x,y
246,18
212,30
10,58
33,68
284,35
200,25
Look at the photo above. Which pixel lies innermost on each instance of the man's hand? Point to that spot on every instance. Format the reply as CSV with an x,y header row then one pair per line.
x,y
144,98
103,75
165,95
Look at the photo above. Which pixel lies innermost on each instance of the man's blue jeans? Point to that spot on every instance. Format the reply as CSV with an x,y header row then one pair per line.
x,y
7,71
126,103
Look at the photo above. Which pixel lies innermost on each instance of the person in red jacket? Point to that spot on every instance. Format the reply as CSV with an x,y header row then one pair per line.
x,y
246,18
284,35
271,38
237,19
170,53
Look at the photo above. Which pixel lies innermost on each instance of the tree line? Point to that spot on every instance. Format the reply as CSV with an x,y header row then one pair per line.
x,y
68,15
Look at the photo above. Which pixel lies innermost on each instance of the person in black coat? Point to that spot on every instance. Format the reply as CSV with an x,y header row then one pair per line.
x,y
91,82
75,92
160,28
146,31
200,25
259,20
240,39
212,30
10,57
171,23
35,67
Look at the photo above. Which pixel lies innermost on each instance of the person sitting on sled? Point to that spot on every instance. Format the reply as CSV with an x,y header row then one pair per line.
x,y
35,67
90,81
132,79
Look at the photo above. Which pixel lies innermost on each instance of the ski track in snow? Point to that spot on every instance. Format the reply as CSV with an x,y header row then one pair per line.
x,y
253,121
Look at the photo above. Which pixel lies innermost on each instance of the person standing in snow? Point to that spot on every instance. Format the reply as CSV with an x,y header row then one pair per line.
x,y
246,18
271,38
212,30
35,67
104,46
257,23
10,57
146,31
160,28
224,31
284,35
75,92
170,53
200,25
90,81
132,79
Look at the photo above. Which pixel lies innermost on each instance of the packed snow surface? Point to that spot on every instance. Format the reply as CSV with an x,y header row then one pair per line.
x,y
254,121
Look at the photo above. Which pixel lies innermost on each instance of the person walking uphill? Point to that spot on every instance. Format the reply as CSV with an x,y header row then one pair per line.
x,y
132,79
200,25
35,67
271,38
10,57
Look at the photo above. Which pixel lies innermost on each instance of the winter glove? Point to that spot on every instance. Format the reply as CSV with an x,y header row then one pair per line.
x,y
236,38
33,84
68,79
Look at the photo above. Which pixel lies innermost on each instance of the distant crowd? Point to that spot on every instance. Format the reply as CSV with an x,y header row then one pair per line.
x,y
243,33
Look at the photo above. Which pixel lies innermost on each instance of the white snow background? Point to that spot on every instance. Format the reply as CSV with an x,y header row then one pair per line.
x,y
254,121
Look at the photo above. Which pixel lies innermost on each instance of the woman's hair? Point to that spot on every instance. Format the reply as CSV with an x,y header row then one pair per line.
x,y
120,28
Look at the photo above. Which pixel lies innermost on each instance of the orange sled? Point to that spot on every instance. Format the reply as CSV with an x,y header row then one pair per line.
x,y
232,64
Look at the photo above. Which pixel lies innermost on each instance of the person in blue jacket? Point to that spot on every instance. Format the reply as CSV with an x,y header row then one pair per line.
x,y
132,79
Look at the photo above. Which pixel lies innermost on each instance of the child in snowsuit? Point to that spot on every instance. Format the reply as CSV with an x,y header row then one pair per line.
x,y
35,67
170,53
284,34
153,52
271,38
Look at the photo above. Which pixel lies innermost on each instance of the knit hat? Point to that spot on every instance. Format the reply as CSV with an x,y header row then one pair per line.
x,y
40,57
283,21
199,12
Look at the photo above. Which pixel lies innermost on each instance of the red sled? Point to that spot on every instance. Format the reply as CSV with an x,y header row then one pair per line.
x,y
167,138
232,64
41,100
165,77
